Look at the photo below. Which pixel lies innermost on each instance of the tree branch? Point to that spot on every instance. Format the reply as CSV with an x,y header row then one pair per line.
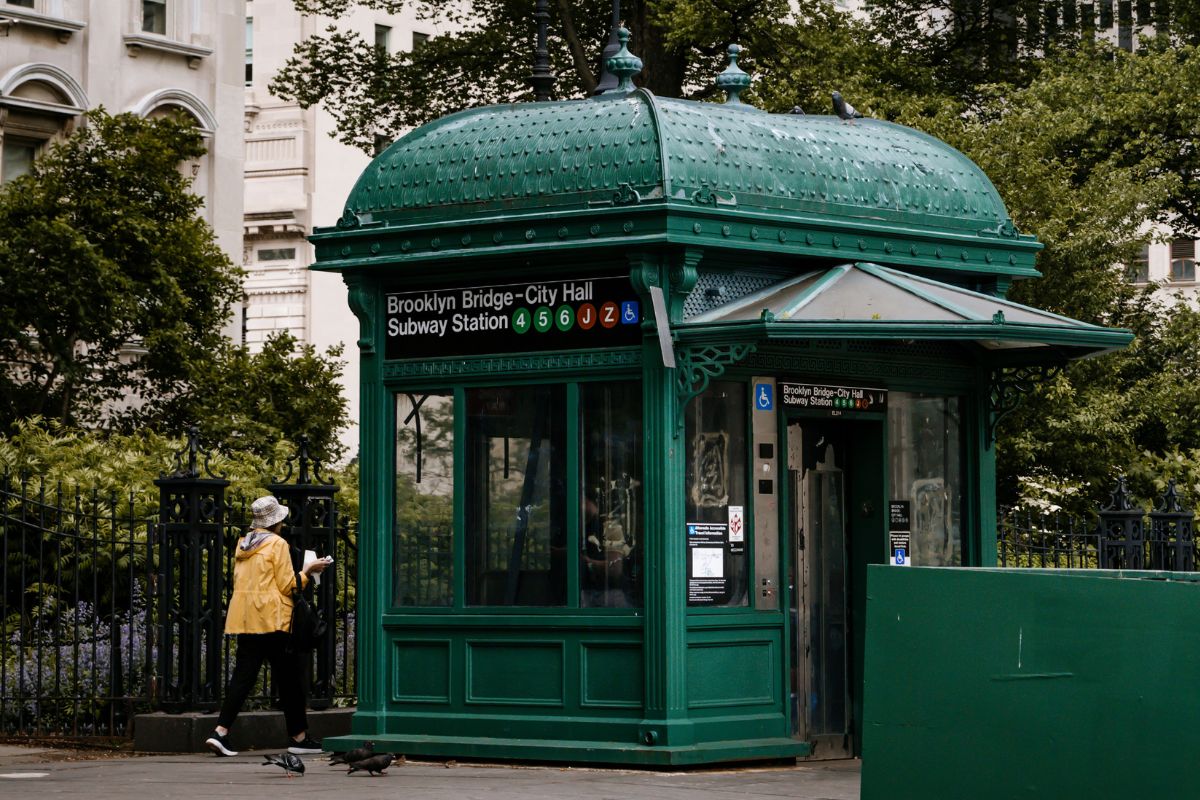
x,y
587,78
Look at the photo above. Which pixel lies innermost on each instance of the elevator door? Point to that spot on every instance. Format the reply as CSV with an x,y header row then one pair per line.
x,y
821,707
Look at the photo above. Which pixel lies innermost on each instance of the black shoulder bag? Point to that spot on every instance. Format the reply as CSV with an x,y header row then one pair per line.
x,y
307,625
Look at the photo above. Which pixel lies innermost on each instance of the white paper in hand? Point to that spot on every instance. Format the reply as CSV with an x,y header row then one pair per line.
x,y
310,557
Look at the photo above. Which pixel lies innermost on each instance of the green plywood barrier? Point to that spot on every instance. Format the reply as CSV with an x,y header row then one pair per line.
x,y
985,683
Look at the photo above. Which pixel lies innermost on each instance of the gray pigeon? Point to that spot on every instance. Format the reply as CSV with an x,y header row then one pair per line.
x,y
796,110
350,756
843,109
289,762
375,765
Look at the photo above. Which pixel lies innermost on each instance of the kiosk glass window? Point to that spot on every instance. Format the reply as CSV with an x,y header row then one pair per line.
x,y
515,496
925,443
715,485
423,541
611,495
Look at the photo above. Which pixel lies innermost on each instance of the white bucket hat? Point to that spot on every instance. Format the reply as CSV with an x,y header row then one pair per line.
x,y
267,512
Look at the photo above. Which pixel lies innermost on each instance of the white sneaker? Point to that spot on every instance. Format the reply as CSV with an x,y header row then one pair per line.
x,y
219,745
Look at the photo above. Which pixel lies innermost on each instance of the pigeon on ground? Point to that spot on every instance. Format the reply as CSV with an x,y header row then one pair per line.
x,y
843,109
796,110
289,762
357,754
373,765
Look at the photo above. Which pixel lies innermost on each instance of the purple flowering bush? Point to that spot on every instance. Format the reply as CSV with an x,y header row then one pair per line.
x,y
71,670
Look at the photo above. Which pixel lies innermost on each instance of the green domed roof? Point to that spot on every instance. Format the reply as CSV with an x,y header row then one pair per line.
x,y
627,148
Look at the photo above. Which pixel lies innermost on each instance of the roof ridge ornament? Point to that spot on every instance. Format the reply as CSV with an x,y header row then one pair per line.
x,y
624,65
734,80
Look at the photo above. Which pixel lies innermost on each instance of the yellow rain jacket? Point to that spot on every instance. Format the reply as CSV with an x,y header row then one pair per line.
x,y
263,581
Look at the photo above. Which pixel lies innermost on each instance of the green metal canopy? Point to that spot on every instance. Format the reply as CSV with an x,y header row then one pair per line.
x,y
868,301
630,166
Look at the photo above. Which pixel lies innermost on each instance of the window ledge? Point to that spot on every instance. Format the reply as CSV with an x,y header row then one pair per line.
x,y
134,42
14,15
40,106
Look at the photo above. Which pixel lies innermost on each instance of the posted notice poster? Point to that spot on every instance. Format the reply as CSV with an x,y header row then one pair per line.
x,y
737,529
900,533
706,579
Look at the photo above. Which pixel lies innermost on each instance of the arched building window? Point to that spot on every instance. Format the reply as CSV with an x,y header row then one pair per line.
x,y
165,102
38,103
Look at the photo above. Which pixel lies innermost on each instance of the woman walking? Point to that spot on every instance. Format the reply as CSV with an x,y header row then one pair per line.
x,y
260,613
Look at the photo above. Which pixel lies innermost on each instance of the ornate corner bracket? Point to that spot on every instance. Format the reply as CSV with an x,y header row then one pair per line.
x,y
698,366
360,298
1009,386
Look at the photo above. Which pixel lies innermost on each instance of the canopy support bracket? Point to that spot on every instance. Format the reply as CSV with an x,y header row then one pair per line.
x,y
697,368
1008,387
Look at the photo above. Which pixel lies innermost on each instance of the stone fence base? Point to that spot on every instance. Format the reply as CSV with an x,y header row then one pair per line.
x,y
255,730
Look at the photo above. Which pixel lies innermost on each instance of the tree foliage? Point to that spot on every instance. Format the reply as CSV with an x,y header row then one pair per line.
x,y
249,402
1084,156
1086,144
111,286
487,55
969,43
114,296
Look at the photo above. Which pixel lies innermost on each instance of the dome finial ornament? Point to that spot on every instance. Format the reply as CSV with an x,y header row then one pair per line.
x,y
542,79
624,64
733,81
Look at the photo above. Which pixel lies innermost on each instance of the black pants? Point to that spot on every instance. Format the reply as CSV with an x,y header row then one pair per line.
x,y
286,668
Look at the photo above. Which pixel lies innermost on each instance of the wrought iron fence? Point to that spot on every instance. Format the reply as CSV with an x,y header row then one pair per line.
x,y
111,603
1118,535
1034,538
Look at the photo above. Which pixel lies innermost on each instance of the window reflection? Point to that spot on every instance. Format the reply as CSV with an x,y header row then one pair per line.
x,y
716,495
927,470
611,505
422,552
515,514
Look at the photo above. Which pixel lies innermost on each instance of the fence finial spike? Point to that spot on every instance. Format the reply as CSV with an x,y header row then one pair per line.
x,y
1170,503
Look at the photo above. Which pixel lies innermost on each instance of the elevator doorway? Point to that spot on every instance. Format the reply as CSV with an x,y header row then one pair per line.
x,y
835,484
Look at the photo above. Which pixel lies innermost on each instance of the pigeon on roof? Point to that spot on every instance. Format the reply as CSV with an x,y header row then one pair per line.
x,y
843,109
375,765
350,756
289,762
796,110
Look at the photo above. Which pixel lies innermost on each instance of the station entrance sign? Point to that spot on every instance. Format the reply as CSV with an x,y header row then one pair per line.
x,y
836,400
515,317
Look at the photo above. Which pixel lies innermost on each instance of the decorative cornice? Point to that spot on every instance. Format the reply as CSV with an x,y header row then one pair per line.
x,y
134,42
359,241
572,361
15,15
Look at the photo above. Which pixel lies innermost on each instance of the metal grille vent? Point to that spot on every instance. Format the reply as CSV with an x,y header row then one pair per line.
x,y
718,288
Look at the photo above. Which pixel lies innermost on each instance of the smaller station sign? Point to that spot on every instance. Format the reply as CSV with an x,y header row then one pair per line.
x,y
834,399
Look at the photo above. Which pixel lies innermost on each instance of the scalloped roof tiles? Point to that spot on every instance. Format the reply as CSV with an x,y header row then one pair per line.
x,y
532,156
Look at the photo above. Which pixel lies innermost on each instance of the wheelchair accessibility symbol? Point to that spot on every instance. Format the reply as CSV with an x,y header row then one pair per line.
x,y
901,557
764,396
629,312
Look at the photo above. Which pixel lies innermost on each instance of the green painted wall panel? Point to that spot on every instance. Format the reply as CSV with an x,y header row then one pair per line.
x,y
611,675
737,673
1030,683
421,671
515,673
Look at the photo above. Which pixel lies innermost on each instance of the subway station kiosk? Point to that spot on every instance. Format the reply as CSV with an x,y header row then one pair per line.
x,y
646,385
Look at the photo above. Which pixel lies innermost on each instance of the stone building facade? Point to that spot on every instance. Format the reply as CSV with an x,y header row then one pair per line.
x,y
59,58
296,177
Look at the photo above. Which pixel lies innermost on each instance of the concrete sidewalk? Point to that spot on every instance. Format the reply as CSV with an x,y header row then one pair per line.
x,y
37,773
